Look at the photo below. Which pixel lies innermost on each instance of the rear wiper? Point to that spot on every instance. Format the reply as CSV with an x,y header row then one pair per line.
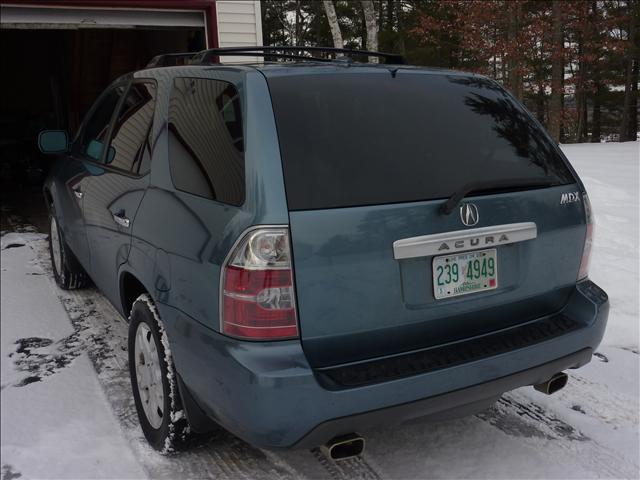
x,y
483,185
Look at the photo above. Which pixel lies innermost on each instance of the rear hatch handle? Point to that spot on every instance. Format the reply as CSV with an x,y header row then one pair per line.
x,y
463,240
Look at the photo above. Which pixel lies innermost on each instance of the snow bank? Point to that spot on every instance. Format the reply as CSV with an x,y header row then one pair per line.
x,y
610,172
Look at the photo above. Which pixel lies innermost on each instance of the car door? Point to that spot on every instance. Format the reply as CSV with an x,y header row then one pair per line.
x,y
76,172
117,185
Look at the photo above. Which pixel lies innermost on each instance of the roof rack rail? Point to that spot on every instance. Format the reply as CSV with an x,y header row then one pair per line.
x,y
292,52
286,52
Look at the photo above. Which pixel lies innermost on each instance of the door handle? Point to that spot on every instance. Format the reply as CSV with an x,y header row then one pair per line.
x,y
77,192
121,220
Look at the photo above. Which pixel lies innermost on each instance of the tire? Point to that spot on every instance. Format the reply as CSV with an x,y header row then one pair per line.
x,y
154,380
67,271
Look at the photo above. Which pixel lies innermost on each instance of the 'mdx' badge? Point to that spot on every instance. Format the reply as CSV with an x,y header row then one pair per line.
x,y
571,197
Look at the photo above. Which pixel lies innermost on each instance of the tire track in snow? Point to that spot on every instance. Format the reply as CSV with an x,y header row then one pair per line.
x,y
516,415
598,401
8,473
522,418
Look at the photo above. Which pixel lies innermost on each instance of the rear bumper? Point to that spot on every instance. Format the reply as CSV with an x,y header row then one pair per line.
x,y
444,403
268,395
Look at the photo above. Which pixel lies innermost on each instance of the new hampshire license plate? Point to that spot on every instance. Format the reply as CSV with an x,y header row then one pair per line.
x,y
464,273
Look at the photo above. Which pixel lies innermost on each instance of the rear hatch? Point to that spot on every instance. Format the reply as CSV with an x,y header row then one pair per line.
x,y
370,155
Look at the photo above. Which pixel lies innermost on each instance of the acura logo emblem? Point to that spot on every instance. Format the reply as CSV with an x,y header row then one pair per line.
x,y
469,214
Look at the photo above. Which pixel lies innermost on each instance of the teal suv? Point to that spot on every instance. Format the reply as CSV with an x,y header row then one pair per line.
x,y
309,246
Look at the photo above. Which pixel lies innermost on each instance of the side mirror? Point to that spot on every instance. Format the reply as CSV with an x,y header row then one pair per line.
x,y
53,141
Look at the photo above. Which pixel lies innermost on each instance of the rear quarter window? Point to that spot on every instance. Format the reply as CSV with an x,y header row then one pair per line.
x,y
206,140
351,139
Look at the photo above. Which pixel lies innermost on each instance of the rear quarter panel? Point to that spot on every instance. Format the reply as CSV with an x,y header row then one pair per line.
x,y
180,240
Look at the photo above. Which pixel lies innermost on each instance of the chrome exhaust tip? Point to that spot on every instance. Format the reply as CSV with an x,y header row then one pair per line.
x,y
343,447
555,383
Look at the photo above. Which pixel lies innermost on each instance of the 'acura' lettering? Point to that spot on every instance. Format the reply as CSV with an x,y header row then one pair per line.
x,y
474,242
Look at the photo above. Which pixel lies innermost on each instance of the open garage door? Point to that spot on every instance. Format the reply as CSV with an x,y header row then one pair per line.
x,y
56,61
15,16
81,50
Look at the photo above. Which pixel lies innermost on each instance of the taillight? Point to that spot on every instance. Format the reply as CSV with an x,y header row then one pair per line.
x,y
588,241
258,301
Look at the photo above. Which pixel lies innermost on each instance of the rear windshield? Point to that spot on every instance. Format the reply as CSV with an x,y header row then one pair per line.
x,y
350,139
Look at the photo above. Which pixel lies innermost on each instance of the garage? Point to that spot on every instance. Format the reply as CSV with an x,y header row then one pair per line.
x,y
58,56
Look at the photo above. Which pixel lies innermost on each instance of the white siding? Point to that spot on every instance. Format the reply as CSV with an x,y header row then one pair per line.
x,y
239,25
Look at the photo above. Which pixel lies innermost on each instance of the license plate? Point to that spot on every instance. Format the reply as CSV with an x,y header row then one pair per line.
x,y
464,273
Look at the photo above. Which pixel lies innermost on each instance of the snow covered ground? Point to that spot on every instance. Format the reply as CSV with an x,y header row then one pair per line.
x,y
67,411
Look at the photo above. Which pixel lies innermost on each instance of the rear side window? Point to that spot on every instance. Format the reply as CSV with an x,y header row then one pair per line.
x,y
130,141
206,140
350,139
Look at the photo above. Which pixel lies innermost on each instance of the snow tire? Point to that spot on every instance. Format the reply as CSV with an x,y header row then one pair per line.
x,y
67,271
173,429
